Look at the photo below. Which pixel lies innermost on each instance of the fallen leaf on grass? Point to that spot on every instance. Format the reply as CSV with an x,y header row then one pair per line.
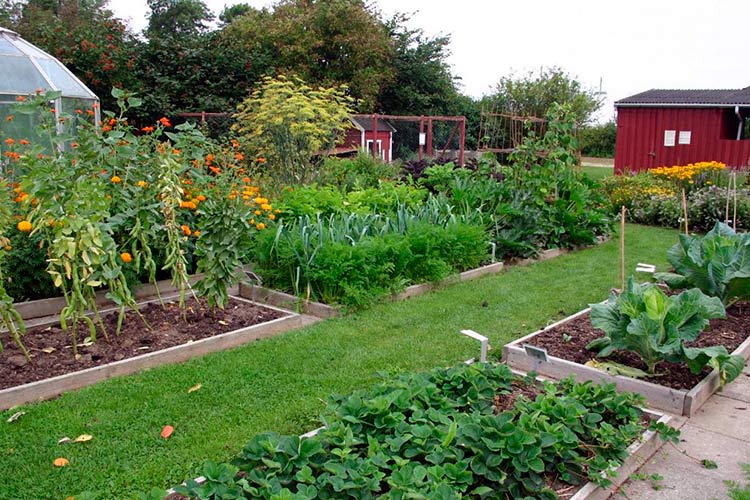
x,y
60,462
196,387
48,350
16,416
167,431
66,439
83,438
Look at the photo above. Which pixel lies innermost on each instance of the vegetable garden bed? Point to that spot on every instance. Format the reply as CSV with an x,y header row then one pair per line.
x,y
171,339
676,391
458,431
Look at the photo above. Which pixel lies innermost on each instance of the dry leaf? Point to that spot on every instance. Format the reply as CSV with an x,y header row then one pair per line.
x,y
16,416
60,462
48,350
167,431
221,322
66,439
196,387
83,438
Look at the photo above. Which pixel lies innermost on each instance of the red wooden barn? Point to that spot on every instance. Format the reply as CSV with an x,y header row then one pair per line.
x,y
675,127
361,135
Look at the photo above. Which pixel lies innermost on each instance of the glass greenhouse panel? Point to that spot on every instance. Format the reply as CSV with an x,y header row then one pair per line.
x,y
62,80
18,75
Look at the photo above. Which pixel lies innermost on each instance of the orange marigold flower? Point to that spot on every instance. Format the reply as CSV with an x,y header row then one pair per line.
x,y
252,221
106,128
9,118
215,170
79,112
112,122
116,179
142,184
260,226
272,216
9,141
73,145
20,98
24,142
239,156
209,158
246,180
165,121
126,257
266,207
147,129
176,152
89,112
196,233
24,226
200,197
261,160
186,230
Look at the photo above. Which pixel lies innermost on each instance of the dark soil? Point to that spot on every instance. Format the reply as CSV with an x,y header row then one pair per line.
x,y
52,353
569,341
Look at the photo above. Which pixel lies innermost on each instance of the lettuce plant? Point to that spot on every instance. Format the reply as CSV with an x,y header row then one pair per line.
x,y
717,263
654,326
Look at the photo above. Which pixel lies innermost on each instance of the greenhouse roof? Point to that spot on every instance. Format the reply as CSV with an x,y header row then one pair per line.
x,y
24,69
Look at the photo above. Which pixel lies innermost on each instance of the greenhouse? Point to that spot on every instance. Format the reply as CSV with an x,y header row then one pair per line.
x,y
26,70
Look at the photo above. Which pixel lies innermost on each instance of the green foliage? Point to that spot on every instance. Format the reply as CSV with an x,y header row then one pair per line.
x,y
177,18
655,326
599,140
288,122
353,258
438,435
717,263
363,171
326,43
535,94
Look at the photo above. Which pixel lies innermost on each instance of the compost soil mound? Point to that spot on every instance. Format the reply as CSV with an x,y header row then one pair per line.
x,y
569,342
52,353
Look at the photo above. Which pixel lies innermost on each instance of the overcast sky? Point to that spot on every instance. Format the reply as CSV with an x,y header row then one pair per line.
x,y
627,46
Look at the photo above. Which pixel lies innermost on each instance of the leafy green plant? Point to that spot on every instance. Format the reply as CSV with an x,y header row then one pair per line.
x,y
717,263
440,435
655,326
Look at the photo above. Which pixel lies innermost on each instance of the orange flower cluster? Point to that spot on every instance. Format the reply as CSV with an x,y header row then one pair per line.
x,y
687,172
191,202
20,195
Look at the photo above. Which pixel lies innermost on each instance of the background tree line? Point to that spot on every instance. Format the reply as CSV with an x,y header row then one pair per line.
x,y
185,60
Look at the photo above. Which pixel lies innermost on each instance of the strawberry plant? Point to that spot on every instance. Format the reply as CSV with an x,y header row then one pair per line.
x,y
440,435
655,326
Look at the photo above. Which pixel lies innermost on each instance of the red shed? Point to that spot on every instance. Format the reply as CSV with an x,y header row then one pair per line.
x,y
361,135
676,127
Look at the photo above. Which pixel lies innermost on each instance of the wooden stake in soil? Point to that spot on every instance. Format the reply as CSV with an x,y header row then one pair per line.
x,y
734,184
685,210
622,249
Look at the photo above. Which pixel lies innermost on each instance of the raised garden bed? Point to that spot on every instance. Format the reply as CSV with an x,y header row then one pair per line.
x,y
492,392
676,390
172,339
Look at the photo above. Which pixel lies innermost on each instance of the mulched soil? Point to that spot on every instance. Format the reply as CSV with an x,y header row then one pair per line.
x,y
51,348
569,341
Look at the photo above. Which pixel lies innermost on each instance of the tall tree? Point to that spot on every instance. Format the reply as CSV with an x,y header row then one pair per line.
x,y
422,82
325,42
177,18
534,93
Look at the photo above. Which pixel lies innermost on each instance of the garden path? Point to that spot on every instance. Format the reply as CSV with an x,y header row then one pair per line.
x,y
719,432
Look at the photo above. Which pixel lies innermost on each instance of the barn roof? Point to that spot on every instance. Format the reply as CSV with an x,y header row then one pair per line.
x,y
364,122
688,98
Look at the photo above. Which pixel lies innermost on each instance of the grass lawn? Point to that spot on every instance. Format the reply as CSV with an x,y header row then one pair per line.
x,y
280,384
597,173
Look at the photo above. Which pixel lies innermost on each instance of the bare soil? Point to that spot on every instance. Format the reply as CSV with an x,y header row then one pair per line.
x,y
568,342
52,353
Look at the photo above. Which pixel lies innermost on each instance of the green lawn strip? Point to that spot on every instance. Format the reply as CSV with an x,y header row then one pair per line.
x,y
278,384
597,173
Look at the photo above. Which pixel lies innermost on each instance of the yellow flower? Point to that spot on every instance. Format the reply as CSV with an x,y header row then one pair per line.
x,y
24,226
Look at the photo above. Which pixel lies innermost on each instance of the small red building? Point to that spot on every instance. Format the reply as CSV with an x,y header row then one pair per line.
x,y
362,133
676,127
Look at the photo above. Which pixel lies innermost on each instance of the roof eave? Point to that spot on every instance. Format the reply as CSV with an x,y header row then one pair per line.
x,y
677,105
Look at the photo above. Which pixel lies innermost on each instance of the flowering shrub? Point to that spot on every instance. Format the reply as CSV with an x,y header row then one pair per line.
x,y
692,175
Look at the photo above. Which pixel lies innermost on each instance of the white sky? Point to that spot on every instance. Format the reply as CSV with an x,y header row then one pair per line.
x,y
629,46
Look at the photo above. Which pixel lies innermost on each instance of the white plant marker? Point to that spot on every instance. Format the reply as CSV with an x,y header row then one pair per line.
x,y
484,341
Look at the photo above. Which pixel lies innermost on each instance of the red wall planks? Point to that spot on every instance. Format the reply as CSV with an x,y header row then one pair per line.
x,y
640,138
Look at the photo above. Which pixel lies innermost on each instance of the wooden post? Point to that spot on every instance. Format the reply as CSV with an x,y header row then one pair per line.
x,y
685,210
622,249
421,131
375,136
461,142
429,136
734,184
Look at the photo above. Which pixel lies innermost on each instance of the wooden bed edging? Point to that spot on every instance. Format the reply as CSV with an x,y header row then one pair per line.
x,y
676,401
49,388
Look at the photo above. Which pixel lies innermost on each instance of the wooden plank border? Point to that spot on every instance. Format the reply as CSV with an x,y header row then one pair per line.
x,y
677,401
49,388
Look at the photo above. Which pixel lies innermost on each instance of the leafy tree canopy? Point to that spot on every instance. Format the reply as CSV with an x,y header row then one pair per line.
x,y
534,93
175,18
325,42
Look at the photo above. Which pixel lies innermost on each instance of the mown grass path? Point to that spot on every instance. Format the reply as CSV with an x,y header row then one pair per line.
x,y
281,384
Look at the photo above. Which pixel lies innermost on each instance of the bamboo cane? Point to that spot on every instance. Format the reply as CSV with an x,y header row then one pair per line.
x,y
622,249
685,210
